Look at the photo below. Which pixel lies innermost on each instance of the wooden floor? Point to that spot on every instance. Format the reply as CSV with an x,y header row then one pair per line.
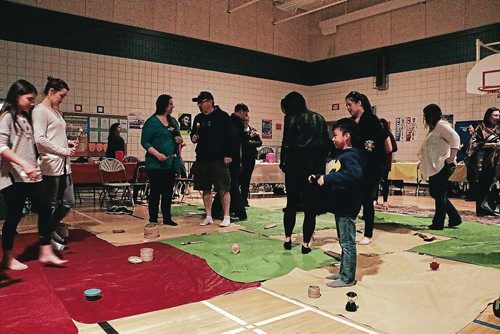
x,y
259,310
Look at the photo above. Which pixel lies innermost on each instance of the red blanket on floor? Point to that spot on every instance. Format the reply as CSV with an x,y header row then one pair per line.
x,y
46,298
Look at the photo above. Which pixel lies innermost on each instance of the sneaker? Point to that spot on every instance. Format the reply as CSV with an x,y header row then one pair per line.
x,y
115,210
333,276
57,246
225,222
126,210
338,283
207,221
57,238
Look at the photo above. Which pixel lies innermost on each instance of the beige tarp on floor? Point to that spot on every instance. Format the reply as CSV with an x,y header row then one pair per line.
x,y
405,296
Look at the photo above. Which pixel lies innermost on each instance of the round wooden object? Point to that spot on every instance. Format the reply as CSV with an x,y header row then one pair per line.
x,y
147,254
313,291
151,231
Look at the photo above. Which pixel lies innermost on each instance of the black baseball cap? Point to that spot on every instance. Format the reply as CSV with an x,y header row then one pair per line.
x,y
203,96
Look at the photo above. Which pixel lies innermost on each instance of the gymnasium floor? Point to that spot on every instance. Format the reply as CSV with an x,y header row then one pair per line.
x,y
271,308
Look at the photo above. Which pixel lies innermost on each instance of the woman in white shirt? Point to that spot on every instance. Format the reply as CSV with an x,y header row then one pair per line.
x,y
55,151
437,163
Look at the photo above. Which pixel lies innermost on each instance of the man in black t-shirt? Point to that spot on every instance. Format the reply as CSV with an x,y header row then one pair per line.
x,y
212,133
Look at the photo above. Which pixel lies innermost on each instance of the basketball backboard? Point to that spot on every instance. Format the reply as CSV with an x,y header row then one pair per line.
x,y
485,75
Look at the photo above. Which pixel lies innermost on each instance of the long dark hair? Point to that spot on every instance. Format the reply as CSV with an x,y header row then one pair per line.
x,y
112,131
360,98
293,103
487,115
55,84
17,89
432,115
161,104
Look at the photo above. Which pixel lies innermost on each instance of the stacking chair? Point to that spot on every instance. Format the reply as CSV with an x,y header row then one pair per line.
x,y
114,180
141,182
183,182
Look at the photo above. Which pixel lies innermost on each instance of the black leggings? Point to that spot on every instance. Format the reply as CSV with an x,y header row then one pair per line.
x,y
15,196
297,195
161,183
369,190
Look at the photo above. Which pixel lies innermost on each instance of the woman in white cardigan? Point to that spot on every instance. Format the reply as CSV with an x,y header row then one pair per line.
x,y
437,163
55,151
19,168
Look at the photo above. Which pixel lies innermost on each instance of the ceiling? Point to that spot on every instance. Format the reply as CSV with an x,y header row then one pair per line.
x,y
343,7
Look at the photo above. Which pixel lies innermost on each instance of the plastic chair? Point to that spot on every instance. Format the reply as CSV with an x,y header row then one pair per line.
x,y
114,179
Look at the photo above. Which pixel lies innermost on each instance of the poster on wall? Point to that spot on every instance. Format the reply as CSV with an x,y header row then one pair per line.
x,y
405,129
267,129
135,121
185,123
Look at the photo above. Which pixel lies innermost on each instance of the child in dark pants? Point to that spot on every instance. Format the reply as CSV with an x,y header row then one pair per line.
x,y
343,185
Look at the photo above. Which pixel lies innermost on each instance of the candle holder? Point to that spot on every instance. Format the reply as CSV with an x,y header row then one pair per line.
x,y
351,302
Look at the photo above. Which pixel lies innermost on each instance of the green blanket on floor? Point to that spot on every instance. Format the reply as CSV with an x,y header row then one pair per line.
x,y
260,258
470,242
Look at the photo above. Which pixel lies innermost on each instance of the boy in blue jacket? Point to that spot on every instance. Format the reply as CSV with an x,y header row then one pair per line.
x,y
343,185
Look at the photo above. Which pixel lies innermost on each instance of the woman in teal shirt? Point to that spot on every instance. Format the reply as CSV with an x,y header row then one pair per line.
x,y
161,138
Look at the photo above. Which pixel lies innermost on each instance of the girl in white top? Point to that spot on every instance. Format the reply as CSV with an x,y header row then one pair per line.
x,y
19,167
437,163
55,151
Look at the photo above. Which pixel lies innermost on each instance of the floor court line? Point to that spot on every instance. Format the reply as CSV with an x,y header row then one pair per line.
x,y
312,309
89,217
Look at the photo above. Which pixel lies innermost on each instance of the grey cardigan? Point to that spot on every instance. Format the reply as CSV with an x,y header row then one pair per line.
x,y
24,147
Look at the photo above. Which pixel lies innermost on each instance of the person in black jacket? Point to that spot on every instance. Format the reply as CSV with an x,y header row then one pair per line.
x,y
388,161
237,206
304,149
343,185
249,146
372,141
212,133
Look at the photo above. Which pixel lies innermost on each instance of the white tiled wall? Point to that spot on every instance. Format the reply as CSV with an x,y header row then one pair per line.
x,y
408,94
125,86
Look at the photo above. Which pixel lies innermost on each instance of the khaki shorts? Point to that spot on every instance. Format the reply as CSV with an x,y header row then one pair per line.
x,y
208,173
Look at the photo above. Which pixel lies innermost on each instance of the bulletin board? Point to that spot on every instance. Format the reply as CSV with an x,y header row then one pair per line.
x,y
94,140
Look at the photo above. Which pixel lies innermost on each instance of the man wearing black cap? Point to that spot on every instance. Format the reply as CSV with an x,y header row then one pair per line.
x,y
212,132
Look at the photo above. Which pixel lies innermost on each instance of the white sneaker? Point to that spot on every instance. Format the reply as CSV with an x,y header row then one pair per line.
x,y
208,220
226,221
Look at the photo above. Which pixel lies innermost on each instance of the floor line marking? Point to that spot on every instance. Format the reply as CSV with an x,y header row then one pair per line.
x,y
89,217
280,317
225,313
309,308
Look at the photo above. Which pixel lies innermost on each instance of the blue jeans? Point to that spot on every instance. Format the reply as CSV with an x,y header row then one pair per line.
x,y
438,185
346,232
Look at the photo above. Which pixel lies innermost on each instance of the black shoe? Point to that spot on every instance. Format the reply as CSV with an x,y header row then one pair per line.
x,y
169,222
247,205
287,245
486,213
306,250
450,224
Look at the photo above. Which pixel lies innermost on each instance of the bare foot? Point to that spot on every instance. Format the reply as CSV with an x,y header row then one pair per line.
x,y
13,264
386,206
365,241
51,259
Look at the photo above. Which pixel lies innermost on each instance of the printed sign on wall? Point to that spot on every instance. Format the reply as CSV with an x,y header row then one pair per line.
x,y
267,129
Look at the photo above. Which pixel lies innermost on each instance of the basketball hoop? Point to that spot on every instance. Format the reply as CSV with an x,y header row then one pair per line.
x,y
490,90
